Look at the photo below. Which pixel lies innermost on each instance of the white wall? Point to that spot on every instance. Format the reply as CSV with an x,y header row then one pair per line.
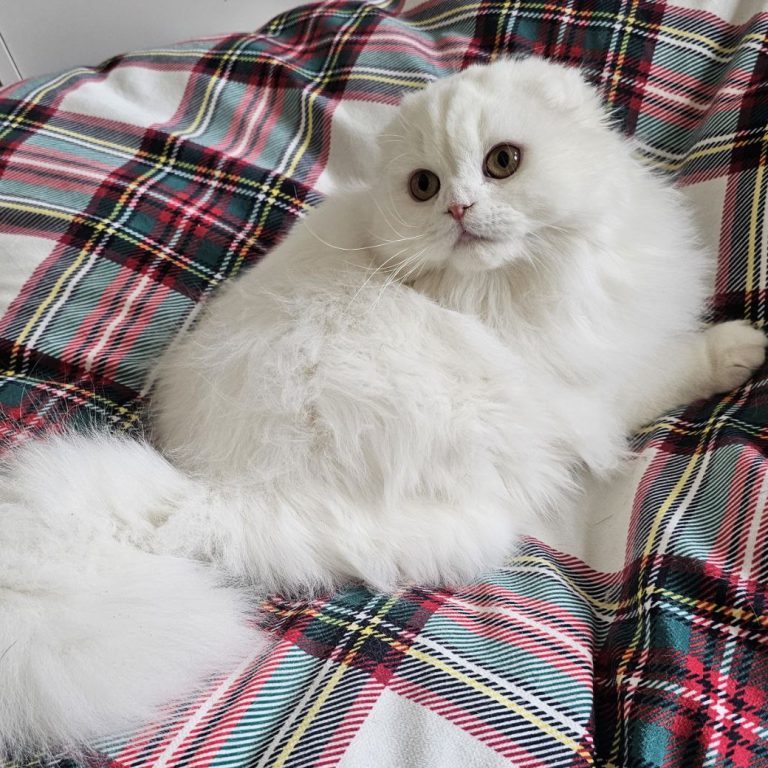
x,y
41,36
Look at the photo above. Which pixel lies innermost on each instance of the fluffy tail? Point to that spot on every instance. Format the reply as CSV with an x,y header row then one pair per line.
x,y
96,632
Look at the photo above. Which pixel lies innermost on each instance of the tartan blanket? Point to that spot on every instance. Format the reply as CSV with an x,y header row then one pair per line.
x,y
635,635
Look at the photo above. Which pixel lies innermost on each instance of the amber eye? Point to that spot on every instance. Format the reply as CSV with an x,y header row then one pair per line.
x,y
423,185
502,161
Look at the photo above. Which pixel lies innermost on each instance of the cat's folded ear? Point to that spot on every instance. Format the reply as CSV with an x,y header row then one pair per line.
x,y
562,87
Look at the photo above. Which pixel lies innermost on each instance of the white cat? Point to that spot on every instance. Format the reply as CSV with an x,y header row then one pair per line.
x,y
427,361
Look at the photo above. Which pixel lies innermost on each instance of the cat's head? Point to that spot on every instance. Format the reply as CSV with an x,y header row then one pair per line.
x,y
480,168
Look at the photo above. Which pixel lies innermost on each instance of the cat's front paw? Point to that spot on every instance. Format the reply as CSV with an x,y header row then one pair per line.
x,y
736,350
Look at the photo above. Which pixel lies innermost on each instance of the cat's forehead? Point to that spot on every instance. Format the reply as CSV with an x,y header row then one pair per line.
x,y
505,101
452,113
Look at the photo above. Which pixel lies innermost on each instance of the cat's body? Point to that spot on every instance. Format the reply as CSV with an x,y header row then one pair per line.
x,y
399,426
424,364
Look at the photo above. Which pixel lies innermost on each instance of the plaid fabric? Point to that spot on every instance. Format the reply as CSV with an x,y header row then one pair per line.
x,y
128,193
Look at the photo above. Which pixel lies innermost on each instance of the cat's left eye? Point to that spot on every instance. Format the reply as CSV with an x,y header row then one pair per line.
x,y
502,161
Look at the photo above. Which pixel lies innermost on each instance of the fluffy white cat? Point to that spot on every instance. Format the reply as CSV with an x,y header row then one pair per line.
x,y
426,362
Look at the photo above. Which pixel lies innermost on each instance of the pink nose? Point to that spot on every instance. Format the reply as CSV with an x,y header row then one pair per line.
x,y
457,210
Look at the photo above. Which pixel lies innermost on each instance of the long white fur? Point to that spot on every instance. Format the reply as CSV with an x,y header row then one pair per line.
x,y
375,401
96,632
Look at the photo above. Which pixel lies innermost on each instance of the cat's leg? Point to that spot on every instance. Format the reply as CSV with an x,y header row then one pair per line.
x,y
699,365
433,544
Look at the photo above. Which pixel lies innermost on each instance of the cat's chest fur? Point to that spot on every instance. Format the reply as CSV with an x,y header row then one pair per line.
x,y
556,325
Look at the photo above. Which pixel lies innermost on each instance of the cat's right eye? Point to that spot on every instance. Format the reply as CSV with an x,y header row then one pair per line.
x,y
423,185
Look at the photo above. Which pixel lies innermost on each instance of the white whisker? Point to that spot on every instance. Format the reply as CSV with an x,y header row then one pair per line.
x,y
360,248
372,275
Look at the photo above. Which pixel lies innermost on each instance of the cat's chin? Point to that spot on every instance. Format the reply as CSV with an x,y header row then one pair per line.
x,y
472,255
